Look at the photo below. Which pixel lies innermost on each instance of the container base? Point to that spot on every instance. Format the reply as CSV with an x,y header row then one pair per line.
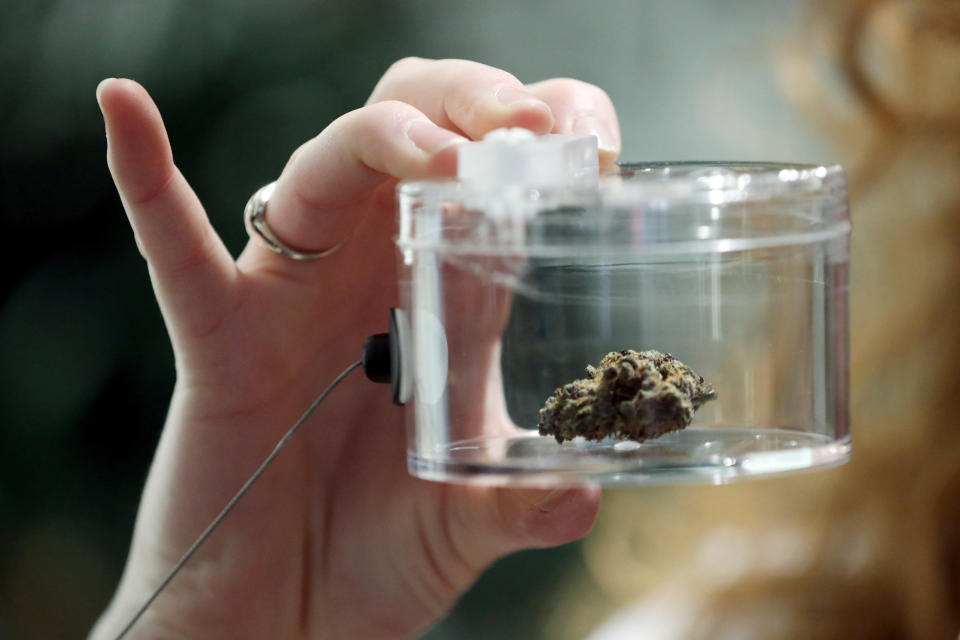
x,y
709,455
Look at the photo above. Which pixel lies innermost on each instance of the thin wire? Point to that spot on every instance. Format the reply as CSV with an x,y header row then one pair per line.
x,y
233,501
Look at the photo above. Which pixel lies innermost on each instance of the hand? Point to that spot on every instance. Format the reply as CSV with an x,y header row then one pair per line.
x,y
336,539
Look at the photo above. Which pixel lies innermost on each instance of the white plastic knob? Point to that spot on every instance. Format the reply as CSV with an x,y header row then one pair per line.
x,y
516,157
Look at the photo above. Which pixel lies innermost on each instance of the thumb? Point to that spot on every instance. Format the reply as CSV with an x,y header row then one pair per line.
x,y
495,521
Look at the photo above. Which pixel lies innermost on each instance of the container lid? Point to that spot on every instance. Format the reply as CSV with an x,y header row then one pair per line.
x,y
651,208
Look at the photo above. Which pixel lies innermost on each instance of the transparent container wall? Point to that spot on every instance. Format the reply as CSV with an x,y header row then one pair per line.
x,y
739,271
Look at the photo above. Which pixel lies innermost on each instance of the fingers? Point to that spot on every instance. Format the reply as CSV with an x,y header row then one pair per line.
x,y
474,98
579,107
408,130
464,96
323,189
190,268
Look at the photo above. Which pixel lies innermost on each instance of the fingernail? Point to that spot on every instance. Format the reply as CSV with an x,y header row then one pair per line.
x,y
588,123
513,97
553,499
103,83
431,138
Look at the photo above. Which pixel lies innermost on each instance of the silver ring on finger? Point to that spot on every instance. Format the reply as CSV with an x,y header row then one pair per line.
x,y
255,220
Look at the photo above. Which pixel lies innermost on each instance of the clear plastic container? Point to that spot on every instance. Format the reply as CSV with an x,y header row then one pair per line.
x,y
739,270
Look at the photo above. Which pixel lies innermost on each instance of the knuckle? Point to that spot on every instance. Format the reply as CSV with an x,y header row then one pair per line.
x,y
576,88
378,119
395,74
403,64
160,188
192,257
469,72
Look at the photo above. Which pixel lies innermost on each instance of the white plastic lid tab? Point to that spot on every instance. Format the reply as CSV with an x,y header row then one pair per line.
x,y
517,157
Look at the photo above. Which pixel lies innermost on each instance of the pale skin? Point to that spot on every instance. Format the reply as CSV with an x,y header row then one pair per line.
x,y
336,540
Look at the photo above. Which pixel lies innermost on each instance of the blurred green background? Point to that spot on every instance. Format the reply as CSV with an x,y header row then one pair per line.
x,y
85,369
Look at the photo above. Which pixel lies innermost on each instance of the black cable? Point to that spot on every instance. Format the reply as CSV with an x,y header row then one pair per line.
x,y
233,501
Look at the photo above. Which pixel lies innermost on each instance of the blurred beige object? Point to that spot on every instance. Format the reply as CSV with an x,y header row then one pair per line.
x,y
870,550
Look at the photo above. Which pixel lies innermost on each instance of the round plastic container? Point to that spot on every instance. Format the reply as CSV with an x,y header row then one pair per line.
x,y
739,270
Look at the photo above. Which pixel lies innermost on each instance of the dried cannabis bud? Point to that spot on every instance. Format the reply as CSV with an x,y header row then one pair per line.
x,y
629,395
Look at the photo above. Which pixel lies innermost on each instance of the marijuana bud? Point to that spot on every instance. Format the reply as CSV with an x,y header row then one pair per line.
x,y
629,396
